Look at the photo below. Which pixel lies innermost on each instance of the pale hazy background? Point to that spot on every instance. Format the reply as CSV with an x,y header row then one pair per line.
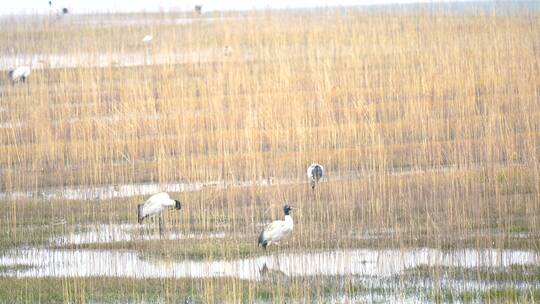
x,y
42,6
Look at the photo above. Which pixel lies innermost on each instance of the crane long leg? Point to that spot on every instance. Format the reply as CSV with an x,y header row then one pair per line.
x,y
161,226
275,256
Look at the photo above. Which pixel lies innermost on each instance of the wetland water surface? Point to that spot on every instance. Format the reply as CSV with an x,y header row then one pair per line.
x,y
360,262
136,189
124,233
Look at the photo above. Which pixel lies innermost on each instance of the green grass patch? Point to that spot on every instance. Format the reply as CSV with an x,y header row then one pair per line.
x,y
511,295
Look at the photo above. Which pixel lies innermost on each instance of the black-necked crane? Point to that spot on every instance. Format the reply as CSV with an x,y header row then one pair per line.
x,y
277,230
315,172
198,10
155,205
148,38
19,73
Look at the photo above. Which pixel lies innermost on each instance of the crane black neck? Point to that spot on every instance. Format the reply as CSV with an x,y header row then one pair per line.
x,y
287,210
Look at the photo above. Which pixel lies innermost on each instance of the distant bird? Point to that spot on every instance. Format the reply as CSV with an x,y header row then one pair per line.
x,y
19,74
227,50
198,9
155,205
277,230
315,172
60,13
147,38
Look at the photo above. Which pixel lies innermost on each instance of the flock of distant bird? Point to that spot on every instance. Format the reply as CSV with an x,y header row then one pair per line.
x,y
273,233
21,73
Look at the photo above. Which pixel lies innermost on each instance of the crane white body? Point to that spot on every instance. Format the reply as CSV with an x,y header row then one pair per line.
x,y
314,173
147,38
19,73
277,230
155,205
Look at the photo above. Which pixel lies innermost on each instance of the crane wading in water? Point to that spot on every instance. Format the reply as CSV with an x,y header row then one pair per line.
x,y
277,230
155,206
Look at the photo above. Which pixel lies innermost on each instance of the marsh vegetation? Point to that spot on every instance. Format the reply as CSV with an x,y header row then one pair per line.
x,y
426,122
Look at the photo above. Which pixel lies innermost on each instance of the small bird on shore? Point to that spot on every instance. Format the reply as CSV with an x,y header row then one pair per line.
x,y
155,206
315,172
277,230
19,73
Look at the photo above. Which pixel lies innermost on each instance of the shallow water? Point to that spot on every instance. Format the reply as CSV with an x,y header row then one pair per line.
x,y
137,189
130,190
124,233
358,262
104,20
121,59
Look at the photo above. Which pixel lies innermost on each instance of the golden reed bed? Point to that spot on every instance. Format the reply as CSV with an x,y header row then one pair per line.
x,y
433,115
